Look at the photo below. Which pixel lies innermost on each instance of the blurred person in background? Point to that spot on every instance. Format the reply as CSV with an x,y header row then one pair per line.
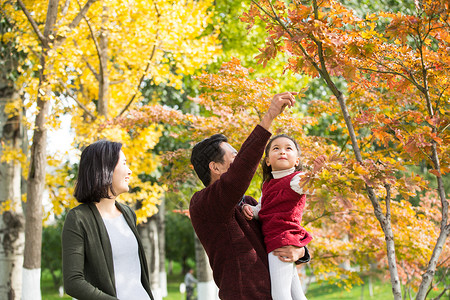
x,y
190,281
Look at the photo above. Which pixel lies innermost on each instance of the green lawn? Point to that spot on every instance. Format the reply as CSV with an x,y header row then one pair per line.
x,y
173,286
49,292
316,291
326,291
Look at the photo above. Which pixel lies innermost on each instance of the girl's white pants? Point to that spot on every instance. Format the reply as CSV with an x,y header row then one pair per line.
x,y
284,280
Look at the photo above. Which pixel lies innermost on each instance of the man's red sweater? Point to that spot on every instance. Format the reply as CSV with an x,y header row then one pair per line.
x,y
234,245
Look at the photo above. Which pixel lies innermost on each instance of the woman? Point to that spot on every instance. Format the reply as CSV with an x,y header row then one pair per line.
x,y
103,257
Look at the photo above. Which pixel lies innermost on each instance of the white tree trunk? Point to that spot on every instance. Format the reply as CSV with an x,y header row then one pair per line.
x,y
206,287
150,240
11,255
31,289
36,173
162,248
12,220
33,212
207,291
38,160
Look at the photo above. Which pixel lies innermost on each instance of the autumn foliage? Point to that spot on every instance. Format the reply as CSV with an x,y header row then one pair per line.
x,y
394,108
99,56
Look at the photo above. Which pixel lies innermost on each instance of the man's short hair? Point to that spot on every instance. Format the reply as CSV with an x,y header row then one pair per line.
x,y
205,152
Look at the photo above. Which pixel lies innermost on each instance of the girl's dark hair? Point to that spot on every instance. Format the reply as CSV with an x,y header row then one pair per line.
x,y
95,173
267,170
205,152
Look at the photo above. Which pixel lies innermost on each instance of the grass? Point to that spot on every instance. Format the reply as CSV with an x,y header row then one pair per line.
x,y
324,291
48,290
316,291
173,286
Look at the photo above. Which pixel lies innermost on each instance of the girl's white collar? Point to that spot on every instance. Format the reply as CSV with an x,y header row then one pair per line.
x,y
282,173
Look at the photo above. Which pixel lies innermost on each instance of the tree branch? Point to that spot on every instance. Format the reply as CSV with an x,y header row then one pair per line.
x,y
81,14
90,67
262,8
74,97
50,21
97,48
76,20
388,202
302,49
146,68
64,11
140,82
33,23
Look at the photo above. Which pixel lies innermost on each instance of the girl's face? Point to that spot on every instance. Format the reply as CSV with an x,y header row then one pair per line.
x,y
121,175
282,155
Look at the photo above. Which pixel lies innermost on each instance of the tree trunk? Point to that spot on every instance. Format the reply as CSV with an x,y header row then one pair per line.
x,y
36,174
150,240
384,220
12,219
35,189
162,247
206,287
428,276
103,58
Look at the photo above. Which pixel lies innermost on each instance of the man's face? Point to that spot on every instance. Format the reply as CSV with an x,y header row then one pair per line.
x,y
228,157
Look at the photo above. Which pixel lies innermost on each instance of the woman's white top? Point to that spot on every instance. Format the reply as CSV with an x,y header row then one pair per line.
x,y
127,267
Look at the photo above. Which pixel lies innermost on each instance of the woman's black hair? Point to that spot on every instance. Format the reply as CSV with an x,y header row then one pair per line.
x,y
95,172
267,170
205,152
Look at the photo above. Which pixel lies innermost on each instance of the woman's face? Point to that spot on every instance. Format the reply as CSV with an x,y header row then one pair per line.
x,y
121,176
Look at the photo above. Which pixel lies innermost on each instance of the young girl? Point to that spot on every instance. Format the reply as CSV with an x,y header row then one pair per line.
x,y
280,211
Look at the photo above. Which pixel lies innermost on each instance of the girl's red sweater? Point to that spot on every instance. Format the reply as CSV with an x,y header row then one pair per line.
x,y
281,214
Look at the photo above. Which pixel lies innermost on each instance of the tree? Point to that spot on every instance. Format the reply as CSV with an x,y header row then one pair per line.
x,y
205,286
36,174
96,73
11,163
157,35
325,39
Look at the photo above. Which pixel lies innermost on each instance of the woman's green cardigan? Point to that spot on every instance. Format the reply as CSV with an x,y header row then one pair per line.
x,y
88,268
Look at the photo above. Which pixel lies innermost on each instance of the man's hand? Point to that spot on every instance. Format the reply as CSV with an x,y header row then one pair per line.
x,y
289,253
247,211
277,106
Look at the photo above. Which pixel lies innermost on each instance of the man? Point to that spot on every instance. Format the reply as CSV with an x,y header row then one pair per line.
x,y
234,245
190,281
